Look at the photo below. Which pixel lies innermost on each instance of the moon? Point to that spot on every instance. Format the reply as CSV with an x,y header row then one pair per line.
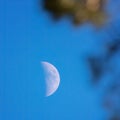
x,y
52,78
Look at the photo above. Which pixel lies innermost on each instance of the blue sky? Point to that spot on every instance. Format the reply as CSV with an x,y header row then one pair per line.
x,y
27,38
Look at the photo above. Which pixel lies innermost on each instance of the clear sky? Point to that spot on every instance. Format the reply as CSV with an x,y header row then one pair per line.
x,y
28,37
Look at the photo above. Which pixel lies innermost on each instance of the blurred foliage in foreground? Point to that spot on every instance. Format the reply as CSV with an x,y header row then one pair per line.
x,y
78,11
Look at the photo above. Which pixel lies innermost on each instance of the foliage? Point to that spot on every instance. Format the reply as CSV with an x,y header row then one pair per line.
x,y
78,11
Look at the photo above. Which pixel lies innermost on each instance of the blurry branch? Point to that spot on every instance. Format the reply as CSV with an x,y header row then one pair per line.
x,y
113,47
96,68
78,11
98,65
115,117
112,100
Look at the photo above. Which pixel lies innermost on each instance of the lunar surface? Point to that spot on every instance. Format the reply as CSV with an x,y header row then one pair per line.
x,y
52,78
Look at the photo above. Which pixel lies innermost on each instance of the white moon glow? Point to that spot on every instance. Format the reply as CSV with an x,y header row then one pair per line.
x,y
52,78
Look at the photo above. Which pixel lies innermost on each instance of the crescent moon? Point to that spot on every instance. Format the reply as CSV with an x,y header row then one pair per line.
x,y
52,78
